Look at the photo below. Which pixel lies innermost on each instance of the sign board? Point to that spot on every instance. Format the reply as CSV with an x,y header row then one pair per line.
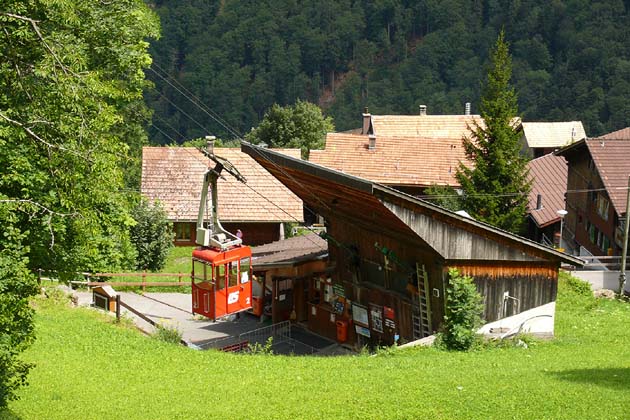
x,y
388,312
376,318
362,331
390,324
360,315
339,290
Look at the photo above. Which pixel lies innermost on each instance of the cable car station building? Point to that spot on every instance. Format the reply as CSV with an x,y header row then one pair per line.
x,y
389,256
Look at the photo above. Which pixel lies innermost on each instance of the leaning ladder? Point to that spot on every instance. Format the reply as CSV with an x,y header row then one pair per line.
x,y
421,308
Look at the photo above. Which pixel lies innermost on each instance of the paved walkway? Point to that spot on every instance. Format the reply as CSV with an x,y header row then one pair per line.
x,y
175,309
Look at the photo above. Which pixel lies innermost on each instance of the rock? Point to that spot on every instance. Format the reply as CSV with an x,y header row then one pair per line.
x,y
604,293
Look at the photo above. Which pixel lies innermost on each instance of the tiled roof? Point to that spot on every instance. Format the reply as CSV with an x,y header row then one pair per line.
x,y
174,176
612,159
549,179
291,250
432,126
413,161
624,133
552,134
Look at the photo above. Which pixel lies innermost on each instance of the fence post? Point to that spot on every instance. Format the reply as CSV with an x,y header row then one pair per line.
x,y
180,277
144,281
118,307
39,276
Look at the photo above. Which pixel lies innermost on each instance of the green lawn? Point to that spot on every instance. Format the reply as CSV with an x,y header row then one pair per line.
x,y
89,368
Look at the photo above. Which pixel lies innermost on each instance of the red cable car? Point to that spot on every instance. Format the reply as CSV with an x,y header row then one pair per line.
x,y
221,266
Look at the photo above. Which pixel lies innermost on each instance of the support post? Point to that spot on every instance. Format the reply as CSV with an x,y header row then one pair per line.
x,y
624,254
118,307
144,281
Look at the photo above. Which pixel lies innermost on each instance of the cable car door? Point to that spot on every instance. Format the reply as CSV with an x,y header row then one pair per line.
x,y
203,290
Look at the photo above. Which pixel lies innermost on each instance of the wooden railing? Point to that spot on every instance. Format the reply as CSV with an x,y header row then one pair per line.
x,y
183,279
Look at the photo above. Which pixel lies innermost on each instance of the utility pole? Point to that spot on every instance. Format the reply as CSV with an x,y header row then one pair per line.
x,y
624,254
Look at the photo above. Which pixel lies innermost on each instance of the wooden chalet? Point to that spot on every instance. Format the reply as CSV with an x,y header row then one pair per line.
x,y
174,177
596,197
389,255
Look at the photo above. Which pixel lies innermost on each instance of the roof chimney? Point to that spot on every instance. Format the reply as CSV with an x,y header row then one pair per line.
x,y
210,144
367,118
423,110
539,202
372,143
467,111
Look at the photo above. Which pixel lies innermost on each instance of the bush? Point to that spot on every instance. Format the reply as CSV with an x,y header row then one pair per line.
x,y
152,236
167,333
463,313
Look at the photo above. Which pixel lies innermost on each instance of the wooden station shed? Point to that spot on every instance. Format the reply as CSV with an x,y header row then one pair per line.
x,y
389,256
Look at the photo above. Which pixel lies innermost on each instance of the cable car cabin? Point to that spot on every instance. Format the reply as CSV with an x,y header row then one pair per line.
x,y
221,283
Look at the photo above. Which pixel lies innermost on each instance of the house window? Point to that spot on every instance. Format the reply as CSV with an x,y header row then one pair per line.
x,y
602,206
183,232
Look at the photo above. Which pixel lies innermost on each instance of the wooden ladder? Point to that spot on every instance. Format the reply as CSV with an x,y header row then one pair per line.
x,y
421,305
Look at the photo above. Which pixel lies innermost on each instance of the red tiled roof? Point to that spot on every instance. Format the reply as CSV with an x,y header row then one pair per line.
x,y
398,160
612,159
431,126
174,176
624,134
549,179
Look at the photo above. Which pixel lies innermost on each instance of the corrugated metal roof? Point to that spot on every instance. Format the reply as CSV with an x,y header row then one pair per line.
x,y
414,161
174,176
552,134
549,179
289,251
612,159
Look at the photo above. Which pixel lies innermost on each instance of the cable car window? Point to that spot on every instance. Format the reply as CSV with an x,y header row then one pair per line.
x,y
220,279
233,273
245,264
199,271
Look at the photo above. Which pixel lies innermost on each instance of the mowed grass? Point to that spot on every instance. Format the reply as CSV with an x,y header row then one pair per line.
x,y
90,368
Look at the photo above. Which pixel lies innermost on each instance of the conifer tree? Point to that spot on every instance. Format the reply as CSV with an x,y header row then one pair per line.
x,y
496,187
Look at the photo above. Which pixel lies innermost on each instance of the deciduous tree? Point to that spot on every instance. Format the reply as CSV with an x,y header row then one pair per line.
x,y
71,80
300,126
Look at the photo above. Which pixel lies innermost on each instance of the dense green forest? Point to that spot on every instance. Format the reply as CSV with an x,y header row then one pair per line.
x,y
239,57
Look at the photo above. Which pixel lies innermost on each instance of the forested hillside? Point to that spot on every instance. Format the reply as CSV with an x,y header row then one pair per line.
x,y
571,59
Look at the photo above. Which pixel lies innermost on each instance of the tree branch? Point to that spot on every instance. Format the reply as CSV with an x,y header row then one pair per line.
x,y
34,23
34,136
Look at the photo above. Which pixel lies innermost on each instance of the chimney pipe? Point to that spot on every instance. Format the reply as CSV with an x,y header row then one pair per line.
x,y
210,144
367,118
372,143
423,110
467,111
539,202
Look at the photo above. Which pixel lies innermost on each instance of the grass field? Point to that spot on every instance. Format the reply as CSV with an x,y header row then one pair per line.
x,y
90,368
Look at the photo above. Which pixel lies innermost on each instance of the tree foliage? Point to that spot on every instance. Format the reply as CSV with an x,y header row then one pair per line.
x,y
71,80
152,235
571,59
299,126
496,188
462,313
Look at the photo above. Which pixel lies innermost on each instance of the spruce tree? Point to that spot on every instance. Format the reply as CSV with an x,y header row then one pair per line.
x,y
496,187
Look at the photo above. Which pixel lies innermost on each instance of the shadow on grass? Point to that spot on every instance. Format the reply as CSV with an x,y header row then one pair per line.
x,y
611,377
6,414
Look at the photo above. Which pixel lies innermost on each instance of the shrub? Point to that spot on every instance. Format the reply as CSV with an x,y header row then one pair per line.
x,y
258,348
463,313
167,333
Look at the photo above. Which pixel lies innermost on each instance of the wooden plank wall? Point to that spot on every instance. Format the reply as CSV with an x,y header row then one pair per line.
x,y
533,285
